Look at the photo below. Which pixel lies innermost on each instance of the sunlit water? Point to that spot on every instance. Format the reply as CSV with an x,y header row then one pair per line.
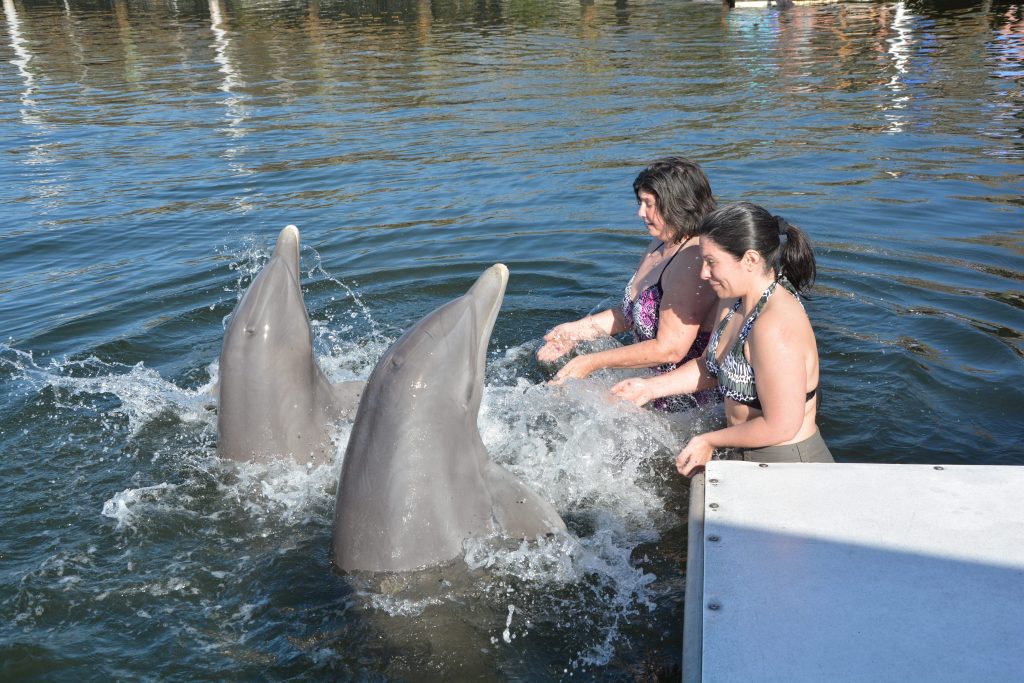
x,y
152,151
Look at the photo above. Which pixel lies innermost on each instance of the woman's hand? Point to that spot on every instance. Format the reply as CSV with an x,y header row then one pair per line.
x,y
577,368
635,389
695,455
559,341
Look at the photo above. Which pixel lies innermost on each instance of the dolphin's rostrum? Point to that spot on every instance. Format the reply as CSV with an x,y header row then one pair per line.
x,y
417,480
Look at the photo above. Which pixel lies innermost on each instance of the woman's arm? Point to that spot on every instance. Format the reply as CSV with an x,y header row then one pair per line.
x,y
777,350
685,303
686,379
563,338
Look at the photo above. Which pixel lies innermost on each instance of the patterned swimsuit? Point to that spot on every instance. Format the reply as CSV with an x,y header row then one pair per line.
x,y
642,315
734,373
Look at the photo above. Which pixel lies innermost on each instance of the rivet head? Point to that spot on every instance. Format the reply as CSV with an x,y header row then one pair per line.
x,y
763,464
714,606
713,539
939,467
713,506
712,481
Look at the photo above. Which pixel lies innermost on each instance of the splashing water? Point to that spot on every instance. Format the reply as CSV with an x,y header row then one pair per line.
x,y
141,393
134,503
601,462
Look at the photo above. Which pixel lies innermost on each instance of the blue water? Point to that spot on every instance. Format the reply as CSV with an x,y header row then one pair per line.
x,y
151,151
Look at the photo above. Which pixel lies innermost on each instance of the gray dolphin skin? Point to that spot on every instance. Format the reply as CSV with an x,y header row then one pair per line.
x,y
274,401
417,480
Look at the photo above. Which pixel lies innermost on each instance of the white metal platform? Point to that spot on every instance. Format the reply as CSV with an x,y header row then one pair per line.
x,y
855,572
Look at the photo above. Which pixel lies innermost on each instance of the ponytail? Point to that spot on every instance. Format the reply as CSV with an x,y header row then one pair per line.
x,y
786,250
795,256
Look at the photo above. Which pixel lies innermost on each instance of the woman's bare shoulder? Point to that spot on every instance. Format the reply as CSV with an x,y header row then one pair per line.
x,y
782,317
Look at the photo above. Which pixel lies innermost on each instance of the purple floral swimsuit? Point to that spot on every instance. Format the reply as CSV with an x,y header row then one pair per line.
x,y
642,314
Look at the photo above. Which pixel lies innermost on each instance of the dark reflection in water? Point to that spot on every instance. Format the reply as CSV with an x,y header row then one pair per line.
x,y
149,152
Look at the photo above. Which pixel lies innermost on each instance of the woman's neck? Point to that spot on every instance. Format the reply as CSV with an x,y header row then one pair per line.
x,y
758,285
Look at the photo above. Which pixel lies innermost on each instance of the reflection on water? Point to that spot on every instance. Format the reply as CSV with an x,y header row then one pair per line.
x,y
236,111
152,149
21,60
899,50
40,146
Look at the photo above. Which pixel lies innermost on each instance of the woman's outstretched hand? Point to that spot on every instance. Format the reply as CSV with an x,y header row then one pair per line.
x,y
634,389
558,342
577,368
695,455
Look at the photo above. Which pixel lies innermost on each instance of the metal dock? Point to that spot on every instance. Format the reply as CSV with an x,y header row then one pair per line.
x,y
855,572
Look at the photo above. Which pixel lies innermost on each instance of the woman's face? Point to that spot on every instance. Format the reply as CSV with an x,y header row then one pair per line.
x,y
651,217
722,270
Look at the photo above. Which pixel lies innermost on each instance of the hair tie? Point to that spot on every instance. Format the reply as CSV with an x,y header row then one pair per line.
x,y
782,225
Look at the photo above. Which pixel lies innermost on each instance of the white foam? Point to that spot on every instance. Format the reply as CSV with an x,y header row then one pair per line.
x,y
592,456
548,561
506,635
397,606
142,394
128,504
284,492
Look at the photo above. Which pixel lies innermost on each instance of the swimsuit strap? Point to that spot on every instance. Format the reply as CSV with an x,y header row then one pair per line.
x,y
739,362
749,322
643,313
737,349
669,262
761,303
629,287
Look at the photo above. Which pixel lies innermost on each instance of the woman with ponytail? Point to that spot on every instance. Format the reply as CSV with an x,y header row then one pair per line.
x,y
762,356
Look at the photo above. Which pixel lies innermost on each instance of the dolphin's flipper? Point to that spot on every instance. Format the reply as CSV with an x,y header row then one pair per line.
x,y
518,510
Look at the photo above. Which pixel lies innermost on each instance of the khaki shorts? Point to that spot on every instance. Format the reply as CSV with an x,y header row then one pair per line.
x,y
811,449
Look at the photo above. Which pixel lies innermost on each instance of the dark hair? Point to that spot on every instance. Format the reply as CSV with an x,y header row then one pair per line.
x,y
738,228
682,194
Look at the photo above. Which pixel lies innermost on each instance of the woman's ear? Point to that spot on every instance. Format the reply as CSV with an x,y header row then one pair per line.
x,y
752,260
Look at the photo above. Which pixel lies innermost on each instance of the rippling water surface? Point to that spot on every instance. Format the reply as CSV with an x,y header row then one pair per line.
x,y
151,151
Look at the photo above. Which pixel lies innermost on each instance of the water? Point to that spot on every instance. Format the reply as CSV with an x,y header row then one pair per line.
x,y
152,151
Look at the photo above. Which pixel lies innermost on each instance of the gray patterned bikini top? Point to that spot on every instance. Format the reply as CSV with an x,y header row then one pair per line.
x,y
734,372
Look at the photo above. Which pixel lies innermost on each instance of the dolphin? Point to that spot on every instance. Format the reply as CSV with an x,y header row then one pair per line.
x,y
273,399
417,481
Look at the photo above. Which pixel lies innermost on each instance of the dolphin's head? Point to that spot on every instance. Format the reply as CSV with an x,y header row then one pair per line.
x,y
266,394
412,485
484,299
270,324
441,359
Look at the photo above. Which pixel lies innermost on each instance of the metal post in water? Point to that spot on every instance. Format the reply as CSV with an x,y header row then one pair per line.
x,y
693,608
